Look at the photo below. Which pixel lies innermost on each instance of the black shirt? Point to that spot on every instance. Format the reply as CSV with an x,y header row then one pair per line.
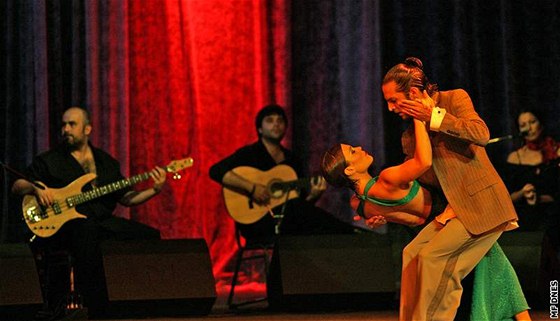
x,y
255,155
57,168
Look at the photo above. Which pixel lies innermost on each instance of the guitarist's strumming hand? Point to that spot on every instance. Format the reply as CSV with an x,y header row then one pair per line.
x,y
44,196
260,194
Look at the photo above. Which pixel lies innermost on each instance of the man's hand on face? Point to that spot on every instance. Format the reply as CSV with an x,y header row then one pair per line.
x,y
419,108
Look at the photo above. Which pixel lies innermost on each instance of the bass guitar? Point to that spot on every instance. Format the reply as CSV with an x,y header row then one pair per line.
x,y
282,184
45,221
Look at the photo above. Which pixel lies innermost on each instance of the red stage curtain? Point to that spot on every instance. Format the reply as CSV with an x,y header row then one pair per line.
x,y
171,79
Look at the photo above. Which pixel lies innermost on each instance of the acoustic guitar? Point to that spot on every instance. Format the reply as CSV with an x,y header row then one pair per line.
x,y
282,184
45,221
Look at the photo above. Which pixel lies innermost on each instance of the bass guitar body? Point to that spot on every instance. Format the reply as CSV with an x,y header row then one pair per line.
x,y
46,221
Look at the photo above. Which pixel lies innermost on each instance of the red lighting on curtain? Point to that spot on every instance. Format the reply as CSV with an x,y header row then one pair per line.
x,y
185,79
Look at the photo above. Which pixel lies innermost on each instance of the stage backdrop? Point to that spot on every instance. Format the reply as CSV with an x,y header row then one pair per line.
x,y
164,80
168,79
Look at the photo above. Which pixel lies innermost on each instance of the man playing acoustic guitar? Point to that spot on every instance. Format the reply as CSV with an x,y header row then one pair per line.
x,y
242,173
58,168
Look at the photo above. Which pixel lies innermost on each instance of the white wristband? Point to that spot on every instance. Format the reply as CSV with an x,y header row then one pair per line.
x,y
437,118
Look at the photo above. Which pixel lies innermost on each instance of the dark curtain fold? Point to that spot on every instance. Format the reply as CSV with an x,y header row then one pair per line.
x,y
336,62
170,79
37,77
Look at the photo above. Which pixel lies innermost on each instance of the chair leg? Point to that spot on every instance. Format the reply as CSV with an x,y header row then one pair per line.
x,y
234,279
266,265
240,259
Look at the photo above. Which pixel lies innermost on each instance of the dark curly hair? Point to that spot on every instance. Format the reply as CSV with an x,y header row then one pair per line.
x,y
268,110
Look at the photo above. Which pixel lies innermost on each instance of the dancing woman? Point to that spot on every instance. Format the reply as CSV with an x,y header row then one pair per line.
x,y
395,196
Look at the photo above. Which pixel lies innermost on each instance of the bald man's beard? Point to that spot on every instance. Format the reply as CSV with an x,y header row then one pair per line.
x,y
71,142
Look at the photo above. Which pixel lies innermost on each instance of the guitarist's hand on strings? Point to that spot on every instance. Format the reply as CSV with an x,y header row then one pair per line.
x,y
133,198
45,196
260,194
159,176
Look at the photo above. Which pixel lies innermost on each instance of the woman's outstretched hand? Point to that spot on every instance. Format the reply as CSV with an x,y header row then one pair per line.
x,y
372,222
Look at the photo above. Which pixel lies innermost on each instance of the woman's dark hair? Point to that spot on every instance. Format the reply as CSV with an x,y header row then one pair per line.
x,y
538,116
268,110
535,113
410,74
332,168
545,143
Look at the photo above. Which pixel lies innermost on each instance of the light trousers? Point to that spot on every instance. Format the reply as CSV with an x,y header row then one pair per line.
x,y
434,263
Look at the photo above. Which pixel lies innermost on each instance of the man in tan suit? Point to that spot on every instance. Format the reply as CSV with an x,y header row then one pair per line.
x,y
449,247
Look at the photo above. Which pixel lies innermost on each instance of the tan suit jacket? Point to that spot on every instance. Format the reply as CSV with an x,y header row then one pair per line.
x,y
461,166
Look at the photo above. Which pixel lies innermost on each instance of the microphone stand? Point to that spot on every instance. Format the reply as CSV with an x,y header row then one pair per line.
x,y
280,217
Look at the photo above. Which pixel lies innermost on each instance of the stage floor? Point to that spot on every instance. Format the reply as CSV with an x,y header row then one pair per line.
x,y
330,316
260,311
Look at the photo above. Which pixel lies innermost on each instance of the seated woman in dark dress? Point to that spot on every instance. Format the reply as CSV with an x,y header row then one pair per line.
x,y
532,176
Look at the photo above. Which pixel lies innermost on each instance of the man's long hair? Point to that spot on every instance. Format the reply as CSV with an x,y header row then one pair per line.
x,y
408,74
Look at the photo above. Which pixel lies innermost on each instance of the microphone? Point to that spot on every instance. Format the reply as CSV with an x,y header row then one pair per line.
x,y
499,139
522,133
